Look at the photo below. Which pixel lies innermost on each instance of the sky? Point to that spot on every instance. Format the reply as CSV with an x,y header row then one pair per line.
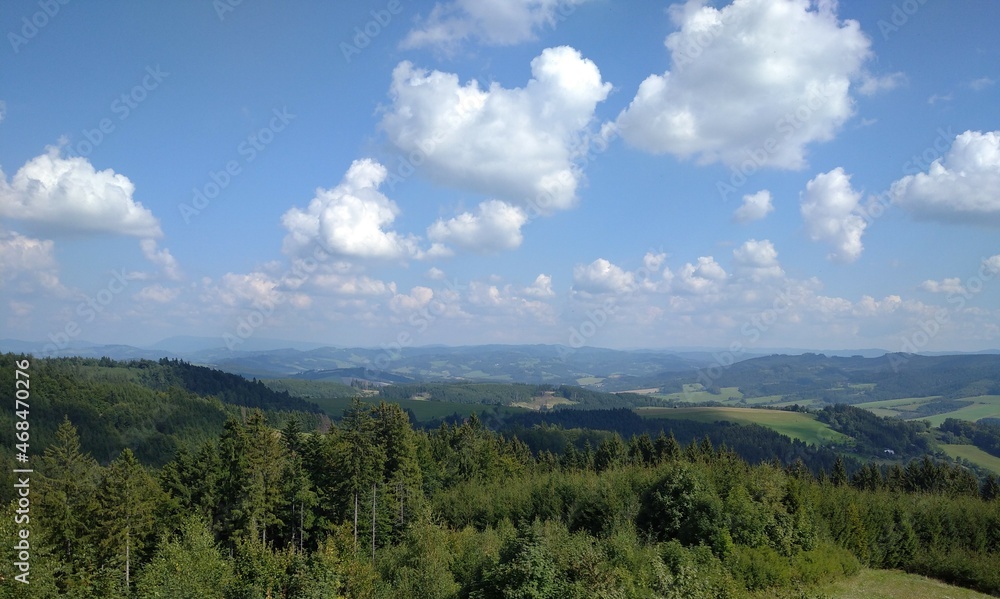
x,y
643,174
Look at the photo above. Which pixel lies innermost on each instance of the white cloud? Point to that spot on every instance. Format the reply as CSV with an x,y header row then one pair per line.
x,y
350,220
949,286
541,288
3,110
158,294
161,258
761,76
491,22
495,226
755,207
757,260
602,276
706,276
418,298
871,84
435,274
27,264
517,145
829,208
961,187
981,83
69,194
935,98
351,284
240,290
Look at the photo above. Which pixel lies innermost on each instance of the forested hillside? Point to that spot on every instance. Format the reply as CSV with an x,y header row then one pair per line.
x,y
153,408
149,485
375,508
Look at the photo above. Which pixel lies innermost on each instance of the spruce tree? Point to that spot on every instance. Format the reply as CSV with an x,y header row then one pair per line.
x,y
129,498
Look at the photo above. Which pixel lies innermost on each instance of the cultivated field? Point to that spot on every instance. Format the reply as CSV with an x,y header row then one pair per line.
x,y
975,455
796,425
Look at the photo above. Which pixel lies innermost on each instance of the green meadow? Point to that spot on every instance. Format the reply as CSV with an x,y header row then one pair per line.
x,y
796,425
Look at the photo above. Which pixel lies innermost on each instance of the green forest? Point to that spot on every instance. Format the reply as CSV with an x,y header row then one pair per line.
x,y
161,479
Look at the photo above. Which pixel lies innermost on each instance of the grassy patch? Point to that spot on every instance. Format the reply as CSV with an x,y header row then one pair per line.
x,y
695,393
547,401
973,454
588,380
985,406
796,425
892,584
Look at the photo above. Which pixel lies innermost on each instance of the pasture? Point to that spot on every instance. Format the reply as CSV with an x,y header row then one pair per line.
x,y
796,425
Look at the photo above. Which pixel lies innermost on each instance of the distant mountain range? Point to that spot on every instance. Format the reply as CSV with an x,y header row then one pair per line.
x,y
275,358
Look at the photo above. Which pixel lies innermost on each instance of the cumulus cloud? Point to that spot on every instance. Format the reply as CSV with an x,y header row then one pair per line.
x,y
602,276
27,264
236,290
755,207
757,260
417,298
829,207
491,22
961,187
703,277
516,145
495,226
157,294
541,288
162,258
871,84
351,220
981,83
761,78
68,194
949,286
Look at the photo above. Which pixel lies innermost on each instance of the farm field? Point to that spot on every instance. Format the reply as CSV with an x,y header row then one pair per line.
x,y
796,425
892,408
985,406
547,402
975,455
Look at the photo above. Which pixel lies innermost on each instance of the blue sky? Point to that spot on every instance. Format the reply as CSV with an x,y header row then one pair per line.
x,y
746,175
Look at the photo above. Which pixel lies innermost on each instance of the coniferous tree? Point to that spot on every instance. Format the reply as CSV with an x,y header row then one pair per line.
x,y
129,499
68,481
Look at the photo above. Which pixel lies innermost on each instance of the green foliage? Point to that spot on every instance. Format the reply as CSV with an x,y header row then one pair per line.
x,y
373,508
185,566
